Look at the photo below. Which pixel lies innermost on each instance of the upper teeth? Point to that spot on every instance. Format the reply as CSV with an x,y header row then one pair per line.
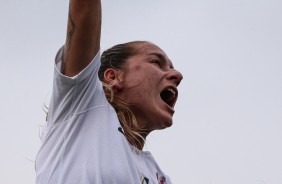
x,y
172,91
168,95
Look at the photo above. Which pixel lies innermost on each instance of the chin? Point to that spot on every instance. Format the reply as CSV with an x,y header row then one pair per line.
x,y
164,125
167,124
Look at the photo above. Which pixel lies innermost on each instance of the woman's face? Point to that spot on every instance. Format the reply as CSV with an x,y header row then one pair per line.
x,y
149,86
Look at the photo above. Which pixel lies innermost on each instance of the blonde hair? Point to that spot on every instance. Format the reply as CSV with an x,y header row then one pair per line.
x,y
116,57
131,129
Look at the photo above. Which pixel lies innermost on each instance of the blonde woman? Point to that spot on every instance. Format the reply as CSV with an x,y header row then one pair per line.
x,y
103,107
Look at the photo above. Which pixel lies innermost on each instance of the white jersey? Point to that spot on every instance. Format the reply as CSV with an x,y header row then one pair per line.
x,y
83,142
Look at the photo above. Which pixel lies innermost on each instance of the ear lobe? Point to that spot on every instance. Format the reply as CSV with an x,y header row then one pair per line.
x,y
111,77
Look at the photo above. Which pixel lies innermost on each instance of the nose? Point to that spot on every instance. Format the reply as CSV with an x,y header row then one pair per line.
x,y
175,76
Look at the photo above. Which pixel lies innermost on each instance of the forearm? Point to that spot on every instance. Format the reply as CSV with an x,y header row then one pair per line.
x,y
83,35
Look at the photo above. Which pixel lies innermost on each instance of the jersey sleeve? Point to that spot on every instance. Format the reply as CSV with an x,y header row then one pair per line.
x,y
73,95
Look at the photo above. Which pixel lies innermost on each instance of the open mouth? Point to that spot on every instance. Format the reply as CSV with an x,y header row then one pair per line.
x,y
169,96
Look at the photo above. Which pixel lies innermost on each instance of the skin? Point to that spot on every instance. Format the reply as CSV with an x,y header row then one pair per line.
x,y
140,83
83,35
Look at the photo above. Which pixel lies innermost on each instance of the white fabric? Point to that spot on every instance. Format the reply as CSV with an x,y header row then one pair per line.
x,y
81,143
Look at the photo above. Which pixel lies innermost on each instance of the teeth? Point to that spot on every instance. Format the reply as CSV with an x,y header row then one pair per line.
x,y
169,96
172,91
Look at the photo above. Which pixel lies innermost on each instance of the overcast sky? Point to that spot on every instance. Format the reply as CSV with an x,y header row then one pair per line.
x,y
228,121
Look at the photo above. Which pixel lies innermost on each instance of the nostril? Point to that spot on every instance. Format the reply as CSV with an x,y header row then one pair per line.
x,y
177,82
179,78
176,76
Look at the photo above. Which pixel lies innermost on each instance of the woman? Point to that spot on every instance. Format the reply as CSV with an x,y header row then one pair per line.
x,y
102,109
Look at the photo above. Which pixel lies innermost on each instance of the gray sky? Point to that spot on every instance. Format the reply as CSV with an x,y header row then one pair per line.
x,y
228,122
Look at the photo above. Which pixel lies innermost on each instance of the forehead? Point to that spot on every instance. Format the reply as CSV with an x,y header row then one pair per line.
x,y
146,48
149,49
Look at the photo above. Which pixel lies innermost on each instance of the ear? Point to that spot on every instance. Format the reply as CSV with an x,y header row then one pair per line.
x,y
111,77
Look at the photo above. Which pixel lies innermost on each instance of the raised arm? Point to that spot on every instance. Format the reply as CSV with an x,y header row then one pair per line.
x,y
83,35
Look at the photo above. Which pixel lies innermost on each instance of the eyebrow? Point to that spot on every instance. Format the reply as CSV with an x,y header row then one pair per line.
x,y
162,57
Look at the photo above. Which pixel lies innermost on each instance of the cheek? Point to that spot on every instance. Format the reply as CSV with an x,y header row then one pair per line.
x,y
152,77
137,76
137,68
145,78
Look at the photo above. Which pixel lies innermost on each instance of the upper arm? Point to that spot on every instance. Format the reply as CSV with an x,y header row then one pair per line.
x,y
83,35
